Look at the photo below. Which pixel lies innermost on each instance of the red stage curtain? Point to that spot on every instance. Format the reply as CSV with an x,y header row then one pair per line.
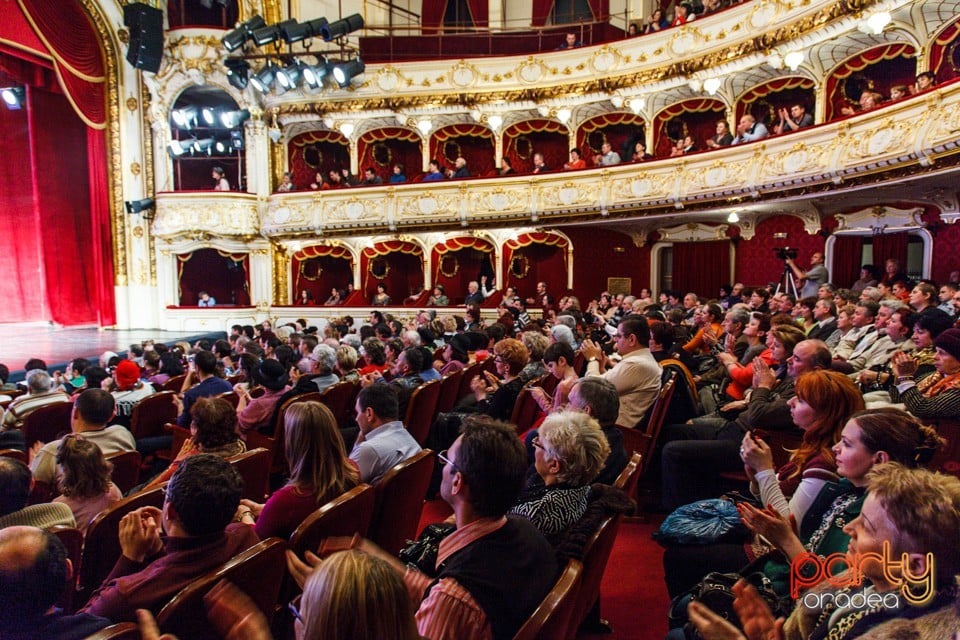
x,y
847,260
701,267
473,141
523,139
22,289
890,245
319,269
473,255
223,275
322,151
546,255
403,146
541,11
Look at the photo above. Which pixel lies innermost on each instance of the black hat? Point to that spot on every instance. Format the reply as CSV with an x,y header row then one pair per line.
x,y
271,375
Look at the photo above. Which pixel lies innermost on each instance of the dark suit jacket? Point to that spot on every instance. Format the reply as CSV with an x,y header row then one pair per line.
x,y
823,332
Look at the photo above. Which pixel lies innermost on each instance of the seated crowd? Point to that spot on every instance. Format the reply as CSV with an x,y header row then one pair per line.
x,y
846,380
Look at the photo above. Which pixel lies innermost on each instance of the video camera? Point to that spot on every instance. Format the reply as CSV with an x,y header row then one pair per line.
x,y
785,253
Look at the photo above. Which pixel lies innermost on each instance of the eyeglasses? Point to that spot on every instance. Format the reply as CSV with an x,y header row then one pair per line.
x,y
536,442
292,606
442,456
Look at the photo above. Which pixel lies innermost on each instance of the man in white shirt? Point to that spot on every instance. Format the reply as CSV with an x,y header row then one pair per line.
x,y
638,374
383,440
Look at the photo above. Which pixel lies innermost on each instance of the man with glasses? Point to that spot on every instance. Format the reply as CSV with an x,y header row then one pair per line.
x,y
636,376
92,411
200,502
494,570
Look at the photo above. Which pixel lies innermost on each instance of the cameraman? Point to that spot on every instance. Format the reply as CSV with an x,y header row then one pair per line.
x,y
813,277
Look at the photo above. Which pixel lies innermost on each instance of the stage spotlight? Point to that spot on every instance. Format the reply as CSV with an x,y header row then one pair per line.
x,y
289,76
136,206
344,72
266,35
236,140
13,97
264,78
209,115
244,31
313,74
341,27
203,145
184,118
220,146
177,148
233,119
301,31
238,72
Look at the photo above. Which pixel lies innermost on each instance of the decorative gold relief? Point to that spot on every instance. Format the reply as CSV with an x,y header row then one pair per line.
x,y
137,232
427,205
463,74
799,159
643,187
568,195
132,104
499,200
605,59
531,70
353,210
882,138
135,168
123,35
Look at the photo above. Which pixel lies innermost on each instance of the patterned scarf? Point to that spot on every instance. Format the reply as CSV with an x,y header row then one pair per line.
x,y
936,383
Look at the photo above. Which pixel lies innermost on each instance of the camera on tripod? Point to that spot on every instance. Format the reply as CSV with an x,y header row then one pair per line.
x,y
785,253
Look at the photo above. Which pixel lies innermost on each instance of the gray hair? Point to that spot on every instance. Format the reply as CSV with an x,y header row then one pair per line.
x,y
38,381
569,321
326,357
413,337
351,339
562,333
871,292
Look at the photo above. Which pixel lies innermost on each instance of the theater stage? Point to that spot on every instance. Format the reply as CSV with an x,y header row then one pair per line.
x,y
58,345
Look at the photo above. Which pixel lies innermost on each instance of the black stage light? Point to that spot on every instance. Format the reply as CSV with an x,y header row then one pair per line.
x,y
238,72
14,97
301,30
264,78
244,31
342,27
344,72
233,119
289,76
266,35
313,74
136,206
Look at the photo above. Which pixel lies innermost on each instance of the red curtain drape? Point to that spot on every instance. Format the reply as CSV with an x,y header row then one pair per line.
x,y
383,148
886,65
546,260
701,267
320,268
541,11
432,12
315,151
847,260
405,275
464,260
940,49
473,141
700,116
890,245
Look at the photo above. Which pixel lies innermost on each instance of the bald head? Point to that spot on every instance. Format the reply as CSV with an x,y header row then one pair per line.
x,y
33,571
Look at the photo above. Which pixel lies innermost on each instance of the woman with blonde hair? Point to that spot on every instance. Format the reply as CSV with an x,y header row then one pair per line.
x,y
355,596
319,472
85,484
496,394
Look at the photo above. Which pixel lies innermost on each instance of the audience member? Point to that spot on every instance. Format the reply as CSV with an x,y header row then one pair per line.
x,y
792,119
319,472
92,412
220,179
39,394
200,502
433,172
286,183
607,156
127,389
254,414
85,484
749,130
383,440
203,370
936,395
497,393
570,41
655,21
15,484
723,137
34,571
576,160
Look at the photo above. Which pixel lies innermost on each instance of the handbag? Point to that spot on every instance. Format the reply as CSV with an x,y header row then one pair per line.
x,y
703,522
422,552
716,592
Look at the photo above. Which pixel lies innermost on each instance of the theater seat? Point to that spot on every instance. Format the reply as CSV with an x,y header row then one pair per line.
x,y
550,621
399,501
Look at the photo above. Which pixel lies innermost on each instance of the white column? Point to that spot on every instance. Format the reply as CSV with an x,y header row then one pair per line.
x,y
257,157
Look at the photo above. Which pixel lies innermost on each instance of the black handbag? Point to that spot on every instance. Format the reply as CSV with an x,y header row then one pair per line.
x,y
422,552
716,592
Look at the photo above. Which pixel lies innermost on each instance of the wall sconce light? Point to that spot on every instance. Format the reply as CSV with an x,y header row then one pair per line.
x,y
793,60
733,218
495,122
711,85
563,115
425,126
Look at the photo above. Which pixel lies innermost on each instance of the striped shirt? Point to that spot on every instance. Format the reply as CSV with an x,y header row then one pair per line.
x,y
449,611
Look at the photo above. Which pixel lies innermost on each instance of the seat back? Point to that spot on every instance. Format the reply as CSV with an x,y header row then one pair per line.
x,y
231,397
122,631
47,423
175,383
101,548
658,415
340,398
258,572
254,468
126,469
525,410
274,443
449,390
343,516
399,501
686,401
16,454
550,620
469,373
421,409
150,414
595,556
72,539
947,457
627,480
